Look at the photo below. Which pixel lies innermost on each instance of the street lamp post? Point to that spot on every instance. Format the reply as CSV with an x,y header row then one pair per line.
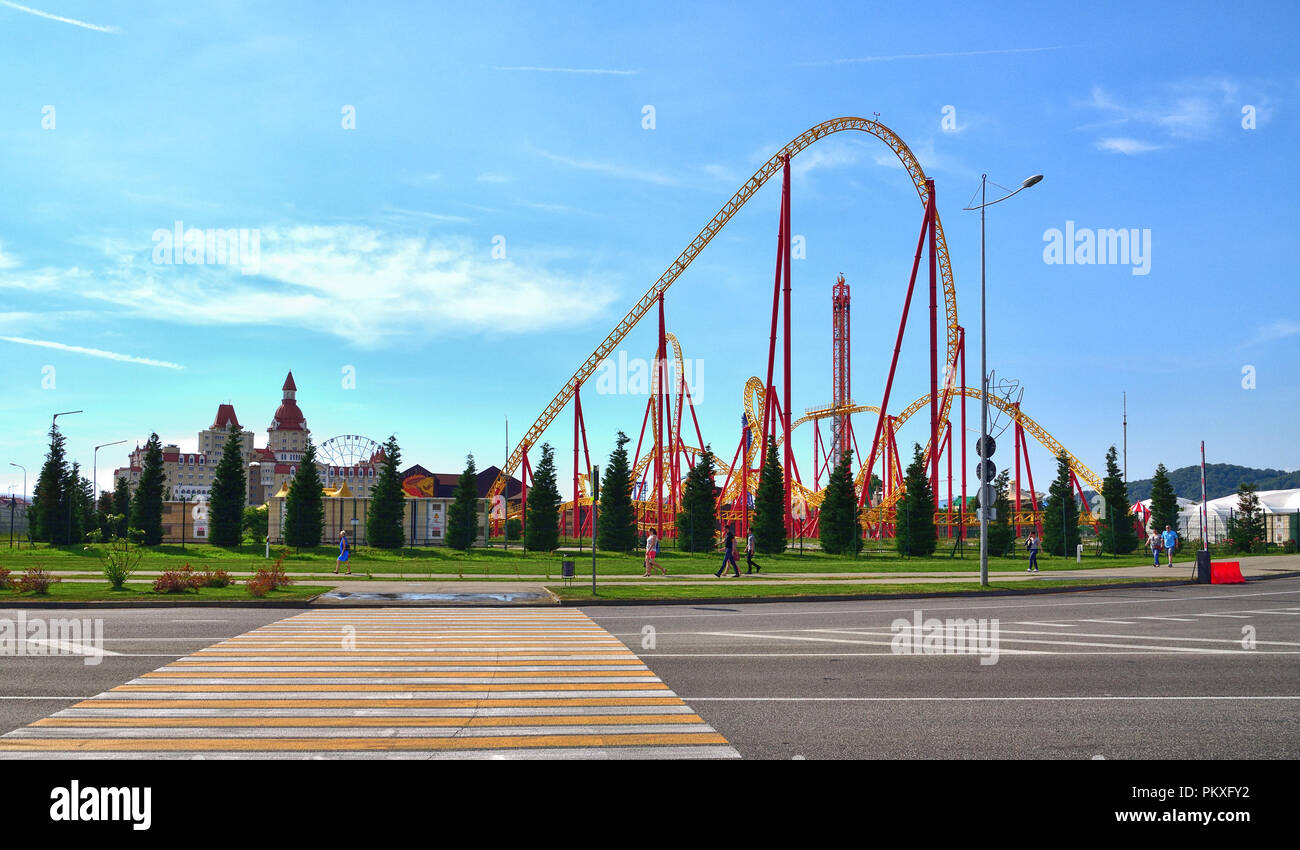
x,y
94,463
27,513
11,516
984,370
54,423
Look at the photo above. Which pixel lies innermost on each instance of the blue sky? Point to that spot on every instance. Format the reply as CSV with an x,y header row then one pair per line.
x,y
525,121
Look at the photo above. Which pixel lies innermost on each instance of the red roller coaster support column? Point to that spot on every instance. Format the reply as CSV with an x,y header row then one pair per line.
x,y
768,389
659,449
934,353
898,344
789,447
1033,495
961,352
577,417
948,443
523,496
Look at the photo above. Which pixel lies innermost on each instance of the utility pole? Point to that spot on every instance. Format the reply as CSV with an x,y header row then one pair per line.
x,y
1126,438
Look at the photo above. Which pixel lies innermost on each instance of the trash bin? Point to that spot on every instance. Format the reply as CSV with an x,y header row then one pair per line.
x,y
1202,566
567,570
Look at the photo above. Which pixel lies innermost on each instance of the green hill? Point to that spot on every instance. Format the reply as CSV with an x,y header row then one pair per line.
x,y
1221,479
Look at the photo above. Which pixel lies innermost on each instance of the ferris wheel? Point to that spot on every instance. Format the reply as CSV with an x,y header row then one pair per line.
x,y
348,450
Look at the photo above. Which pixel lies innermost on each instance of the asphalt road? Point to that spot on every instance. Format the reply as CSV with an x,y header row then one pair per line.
x,y
1156,673
1140,674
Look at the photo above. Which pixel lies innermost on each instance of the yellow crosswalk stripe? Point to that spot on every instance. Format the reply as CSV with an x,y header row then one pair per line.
x,y
482,682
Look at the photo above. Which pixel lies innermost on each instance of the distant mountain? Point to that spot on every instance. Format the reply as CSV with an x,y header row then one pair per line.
x,y
1221,479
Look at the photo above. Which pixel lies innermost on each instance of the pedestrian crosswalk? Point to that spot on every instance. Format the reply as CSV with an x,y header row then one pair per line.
x,y
429,683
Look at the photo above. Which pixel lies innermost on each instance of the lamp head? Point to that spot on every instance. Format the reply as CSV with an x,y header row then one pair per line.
x,y
1030,181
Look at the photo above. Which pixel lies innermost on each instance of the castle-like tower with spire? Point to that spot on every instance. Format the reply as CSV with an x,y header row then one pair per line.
x,y
189,474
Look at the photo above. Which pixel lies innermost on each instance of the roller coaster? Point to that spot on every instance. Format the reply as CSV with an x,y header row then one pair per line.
x,y
657,478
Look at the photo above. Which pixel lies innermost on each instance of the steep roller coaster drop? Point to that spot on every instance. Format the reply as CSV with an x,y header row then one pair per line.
x,y
767,415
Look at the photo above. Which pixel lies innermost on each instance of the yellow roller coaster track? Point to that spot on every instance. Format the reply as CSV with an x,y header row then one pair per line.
x,y
715,226
814,498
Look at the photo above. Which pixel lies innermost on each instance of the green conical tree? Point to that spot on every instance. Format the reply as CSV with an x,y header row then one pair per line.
x,y
121,506
914,520
304,508
228,494
769,506
82,516
1061,514
48,514
542,533
616,518
1117,535
384,521
1246,531
1001,535
697,524
1164,502
839,525
147,502
462,516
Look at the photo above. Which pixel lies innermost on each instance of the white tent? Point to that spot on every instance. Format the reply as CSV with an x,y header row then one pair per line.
x,y
1281,510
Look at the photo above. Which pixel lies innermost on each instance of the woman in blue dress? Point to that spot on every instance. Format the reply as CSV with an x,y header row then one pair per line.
x,y
344,551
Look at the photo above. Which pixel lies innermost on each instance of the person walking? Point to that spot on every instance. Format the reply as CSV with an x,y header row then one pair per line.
x,y
1170,538
729,554
652,555
1154,544
1032,545
344,550
750,565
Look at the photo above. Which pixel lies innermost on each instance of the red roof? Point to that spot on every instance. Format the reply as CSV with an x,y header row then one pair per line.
x,y
225,417
289,384
288,417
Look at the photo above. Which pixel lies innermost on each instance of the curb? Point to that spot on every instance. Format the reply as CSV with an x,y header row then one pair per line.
x,y
161,603
856,597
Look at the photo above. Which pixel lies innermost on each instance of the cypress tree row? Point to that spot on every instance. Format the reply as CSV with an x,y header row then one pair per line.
x,y
1061,514
769,506
121,506
697,523
228,494
147,503
48,510
1164,502
1117,535
543,531
840,530
81,518
462,516
616,519
304,509
384,521
914,520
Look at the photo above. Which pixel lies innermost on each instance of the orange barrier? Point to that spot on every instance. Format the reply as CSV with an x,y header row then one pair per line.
x,y
1226,572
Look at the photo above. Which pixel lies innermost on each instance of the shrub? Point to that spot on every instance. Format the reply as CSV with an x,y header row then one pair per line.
x,y
176,581
1290,547
214,578
120,560
4,579
35,580
260,584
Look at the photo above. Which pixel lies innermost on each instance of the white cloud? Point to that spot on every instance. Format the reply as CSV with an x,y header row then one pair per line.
x,y
612,169
62,20
1280,329
1126,146
493,178
360,284
92,352
962,53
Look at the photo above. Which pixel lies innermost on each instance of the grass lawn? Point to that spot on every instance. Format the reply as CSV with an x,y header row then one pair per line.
x,y
498,563
735,589
143,591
